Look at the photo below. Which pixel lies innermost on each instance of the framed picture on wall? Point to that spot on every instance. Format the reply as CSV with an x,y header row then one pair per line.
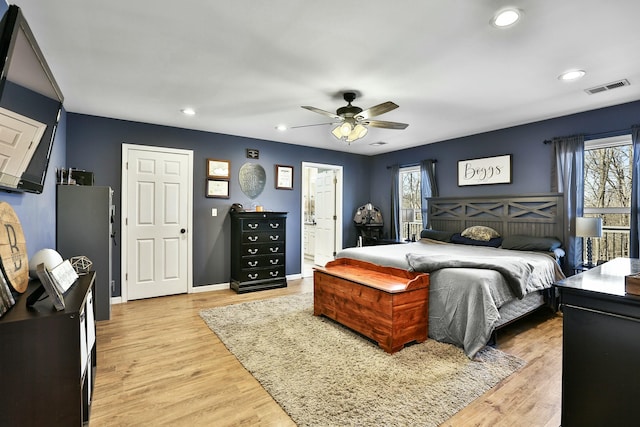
x,y
488,170
217,188
284,177
218,169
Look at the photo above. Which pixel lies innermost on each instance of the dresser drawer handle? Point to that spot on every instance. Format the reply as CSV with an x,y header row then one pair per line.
x,y
252,263
274,273
252,238
253,251
274,250
252,226
274,261
274,225
252,276
274,238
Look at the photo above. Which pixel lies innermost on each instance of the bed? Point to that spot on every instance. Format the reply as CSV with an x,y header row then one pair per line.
x,y
476,290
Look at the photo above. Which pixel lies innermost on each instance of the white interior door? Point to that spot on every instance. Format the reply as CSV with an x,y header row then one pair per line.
x,y
19,138
158,221
326,216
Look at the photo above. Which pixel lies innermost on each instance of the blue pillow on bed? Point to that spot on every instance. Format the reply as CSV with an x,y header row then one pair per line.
x,y
494,242
442,236
531,243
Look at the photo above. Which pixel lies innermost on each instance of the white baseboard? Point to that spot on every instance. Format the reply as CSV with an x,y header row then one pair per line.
x,y
209,288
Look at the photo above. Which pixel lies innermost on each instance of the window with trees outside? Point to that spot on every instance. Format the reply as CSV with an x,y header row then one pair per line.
x,y
410,202
607,193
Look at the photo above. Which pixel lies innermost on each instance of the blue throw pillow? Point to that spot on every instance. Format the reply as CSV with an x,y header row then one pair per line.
x,y
494,242
531,243
442,236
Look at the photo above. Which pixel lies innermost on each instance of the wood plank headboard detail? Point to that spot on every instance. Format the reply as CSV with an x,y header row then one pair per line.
x,y
532,215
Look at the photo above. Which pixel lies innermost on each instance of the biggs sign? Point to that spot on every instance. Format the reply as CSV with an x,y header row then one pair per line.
x,y
489,170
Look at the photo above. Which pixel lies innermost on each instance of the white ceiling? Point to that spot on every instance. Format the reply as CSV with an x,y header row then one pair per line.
x,y
246,66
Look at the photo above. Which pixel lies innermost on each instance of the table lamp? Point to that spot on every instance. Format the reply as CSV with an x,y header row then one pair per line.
x,y
588,227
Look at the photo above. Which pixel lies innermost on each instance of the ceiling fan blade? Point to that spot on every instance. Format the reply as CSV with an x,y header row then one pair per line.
x,y
385,125
315,124
376,110
323,112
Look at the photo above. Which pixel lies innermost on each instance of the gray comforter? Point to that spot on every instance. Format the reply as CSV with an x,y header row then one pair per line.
x,y
515,270
468,283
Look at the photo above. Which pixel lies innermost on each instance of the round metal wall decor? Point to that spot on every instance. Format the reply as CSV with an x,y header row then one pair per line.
x,y
252,179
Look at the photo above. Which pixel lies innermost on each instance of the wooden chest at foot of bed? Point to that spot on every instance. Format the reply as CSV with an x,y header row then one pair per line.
x,y
388,305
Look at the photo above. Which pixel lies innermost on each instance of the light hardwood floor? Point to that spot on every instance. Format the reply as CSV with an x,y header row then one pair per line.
x,y
159,364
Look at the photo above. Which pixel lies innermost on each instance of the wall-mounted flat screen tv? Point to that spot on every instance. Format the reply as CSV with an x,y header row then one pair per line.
x,y
30,106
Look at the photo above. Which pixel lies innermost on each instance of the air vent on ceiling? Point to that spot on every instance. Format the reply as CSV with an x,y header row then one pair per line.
x,y
608,86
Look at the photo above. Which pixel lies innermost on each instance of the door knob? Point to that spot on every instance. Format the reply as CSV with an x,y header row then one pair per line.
x,y
182,231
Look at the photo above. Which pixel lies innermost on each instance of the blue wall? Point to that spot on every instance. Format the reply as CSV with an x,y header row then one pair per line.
x,y
531,158
94,144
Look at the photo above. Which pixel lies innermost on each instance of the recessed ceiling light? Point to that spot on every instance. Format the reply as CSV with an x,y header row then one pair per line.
x,y
506,18
188,111
571,75
282,127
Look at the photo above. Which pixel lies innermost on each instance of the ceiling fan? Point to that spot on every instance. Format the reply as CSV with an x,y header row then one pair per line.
x,y
352,121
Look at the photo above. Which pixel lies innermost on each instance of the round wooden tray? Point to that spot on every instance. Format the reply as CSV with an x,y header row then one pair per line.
x,y
13,249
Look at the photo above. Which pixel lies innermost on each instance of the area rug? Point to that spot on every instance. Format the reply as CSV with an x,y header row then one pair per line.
x,y
323,374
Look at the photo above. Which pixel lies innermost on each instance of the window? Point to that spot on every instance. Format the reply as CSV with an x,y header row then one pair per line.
x,y
410,203
607,193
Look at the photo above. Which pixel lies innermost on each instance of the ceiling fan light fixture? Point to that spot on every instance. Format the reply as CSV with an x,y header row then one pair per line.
x,y
360,131
347,132
345,129
351,121
337,132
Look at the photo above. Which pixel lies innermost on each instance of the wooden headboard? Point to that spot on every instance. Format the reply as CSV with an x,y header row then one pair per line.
x,y
532,215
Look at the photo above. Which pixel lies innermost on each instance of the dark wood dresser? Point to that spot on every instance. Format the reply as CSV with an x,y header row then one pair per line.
x,y
48,359
258,251
601,347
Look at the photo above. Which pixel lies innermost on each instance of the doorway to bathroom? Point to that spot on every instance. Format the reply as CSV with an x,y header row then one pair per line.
x,y
321,214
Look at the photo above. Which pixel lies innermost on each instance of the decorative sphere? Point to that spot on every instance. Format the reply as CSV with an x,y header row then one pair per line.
x,y
49,257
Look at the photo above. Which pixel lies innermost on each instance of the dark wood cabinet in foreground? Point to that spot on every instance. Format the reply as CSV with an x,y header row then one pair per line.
x,y
258,251
601,347
48,359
